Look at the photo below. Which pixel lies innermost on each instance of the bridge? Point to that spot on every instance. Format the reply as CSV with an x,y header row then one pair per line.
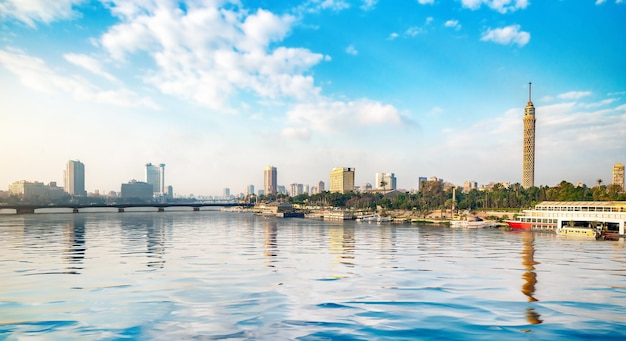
x,y
195,206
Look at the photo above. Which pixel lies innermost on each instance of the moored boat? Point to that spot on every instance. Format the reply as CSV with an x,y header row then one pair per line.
x,y
550,215
579,232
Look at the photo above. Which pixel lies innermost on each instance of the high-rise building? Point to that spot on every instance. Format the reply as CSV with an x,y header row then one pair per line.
x,y
75,178
420,181
155,175
250,190
528,161
226,192
342,180
321,187
389,180
270,180
618,175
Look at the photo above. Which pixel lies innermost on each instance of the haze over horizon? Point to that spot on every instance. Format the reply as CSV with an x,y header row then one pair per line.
x,y
218,89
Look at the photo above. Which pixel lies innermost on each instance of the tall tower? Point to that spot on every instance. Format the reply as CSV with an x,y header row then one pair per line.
x,y
342,180
528,164
270,180
153,177
618,176
162,180
75,178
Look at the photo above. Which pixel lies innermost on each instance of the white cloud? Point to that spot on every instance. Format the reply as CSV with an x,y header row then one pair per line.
x,y
233,54
393,36
320,5
31,11
502,6
574,94
329,116
600,2
89,64
453,24
413,31
352,50
35,74
507,35
426,2
368,4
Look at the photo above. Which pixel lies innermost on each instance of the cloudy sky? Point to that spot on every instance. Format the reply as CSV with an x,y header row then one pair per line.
x,y
218,89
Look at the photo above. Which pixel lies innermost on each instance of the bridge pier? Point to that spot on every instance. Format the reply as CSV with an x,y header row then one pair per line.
x,y
75,210
120,210
195,209
25,210
161,209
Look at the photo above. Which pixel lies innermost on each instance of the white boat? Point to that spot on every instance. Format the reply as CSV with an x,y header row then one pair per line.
x,y
475,223
579,232
381,220
367,218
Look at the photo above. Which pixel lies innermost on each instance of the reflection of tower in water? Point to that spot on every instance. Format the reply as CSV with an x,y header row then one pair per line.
x,y
530,276
155,243
270,244
75,251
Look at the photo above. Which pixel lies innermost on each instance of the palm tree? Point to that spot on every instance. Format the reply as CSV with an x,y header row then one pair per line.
x,y
599,181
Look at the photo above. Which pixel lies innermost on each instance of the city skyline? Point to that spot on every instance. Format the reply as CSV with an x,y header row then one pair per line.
x,y
218,90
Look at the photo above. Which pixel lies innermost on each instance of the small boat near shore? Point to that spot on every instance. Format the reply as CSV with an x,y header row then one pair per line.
x,y
473,223
579,232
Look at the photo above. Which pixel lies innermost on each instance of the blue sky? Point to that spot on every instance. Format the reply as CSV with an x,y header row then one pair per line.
x,y
218,90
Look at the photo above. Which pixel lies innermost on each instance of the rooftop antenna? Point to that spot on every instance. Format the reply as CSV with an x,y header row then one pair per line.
x,y
530,84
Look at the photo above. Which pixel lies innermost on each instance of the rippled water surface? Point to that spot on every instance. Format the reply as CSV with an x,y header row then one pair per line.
x,y
222,275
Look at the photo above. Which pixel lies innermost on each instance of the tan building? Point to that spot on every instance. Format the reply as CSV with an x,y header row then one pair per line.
x,y
342,180
528,161
270,183
35,190
618,175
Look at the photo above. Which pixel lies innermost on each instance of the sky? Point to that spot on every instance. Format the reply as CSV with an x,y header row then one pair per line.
x,y
218,89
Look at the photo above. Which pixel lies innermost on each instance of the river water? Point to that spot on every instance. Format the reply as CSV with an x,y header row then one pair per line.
x,y
235,276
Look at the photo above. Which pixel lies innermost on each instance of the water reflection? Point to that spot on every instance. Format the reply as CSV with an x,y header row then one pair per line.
x,y
149,230
75,243
530,276
270,245
341,244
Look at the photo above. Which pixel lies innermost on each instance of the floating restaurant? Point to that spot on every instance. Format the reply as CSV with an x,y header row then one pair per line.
x,y
610,216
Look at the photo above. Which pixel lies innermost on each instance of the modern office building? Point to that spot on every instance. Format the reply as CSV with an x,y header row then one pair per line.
x,y
137,190
321,187
155,175
226,193
389,180
342,180
270,183
528,161
420,181
75,178
250,190
618,176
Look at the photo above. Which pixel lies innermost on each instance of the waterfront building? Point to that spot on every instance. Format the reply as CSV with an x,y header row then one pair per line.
x,y
270,180
528,161
618,176
388,178
137,190
342,180
75,178
226,193
36,190
170,192
320,187
282,189
155,175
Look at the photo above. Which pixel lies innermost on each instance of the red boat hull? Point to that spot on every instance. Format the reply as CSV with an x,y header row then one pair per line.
x,y
519,225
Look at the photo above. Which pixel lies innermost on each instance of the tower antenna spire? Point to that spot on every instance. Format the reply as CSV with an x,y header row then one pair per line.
x,y
530,84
